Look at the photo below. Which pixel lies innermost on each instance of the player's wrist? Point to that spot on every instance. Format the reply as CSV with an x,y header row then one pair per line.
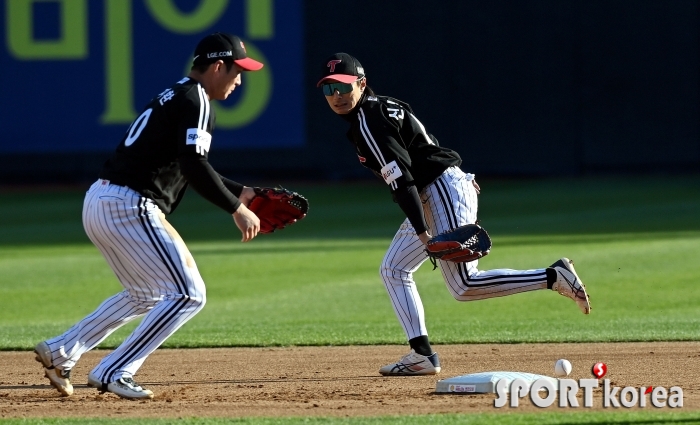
x,y
425,237
247,195
241,209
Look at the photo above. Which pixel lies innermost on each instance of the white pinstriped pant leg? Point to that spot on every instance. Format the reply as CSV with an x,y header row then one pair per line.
x,y
405,254
85,335
160,279
451,201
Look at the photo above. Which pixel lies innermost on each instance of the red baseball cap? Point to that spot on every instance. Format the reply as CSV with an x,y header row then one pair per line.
x,y
221,46
341,68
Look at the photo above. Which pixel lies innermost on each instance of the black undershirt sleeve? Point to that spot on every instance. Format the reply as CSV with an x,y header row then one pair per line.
x,y
233,187
207,182
409,201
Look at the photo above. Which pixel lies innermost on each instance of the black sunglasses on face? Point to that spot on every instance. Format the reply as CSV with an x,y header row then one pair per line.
x,y
342,88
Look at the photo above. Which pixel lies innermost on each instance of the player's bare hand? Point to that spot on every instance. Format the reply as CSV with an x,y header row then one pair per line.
x,y
425,237
476,186
247,222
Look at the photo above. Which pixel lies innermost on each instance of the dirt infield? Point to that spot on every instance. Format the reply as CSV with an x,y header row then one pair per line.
x,y
334,381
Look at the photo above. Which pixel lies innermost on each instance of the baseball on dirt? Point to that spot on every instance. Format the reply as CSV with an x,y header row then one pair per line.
x,y
562,367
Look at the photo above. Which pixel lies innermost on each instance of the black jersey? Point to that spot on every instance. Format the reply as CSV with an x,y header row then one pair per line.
x,y
167,147
394,144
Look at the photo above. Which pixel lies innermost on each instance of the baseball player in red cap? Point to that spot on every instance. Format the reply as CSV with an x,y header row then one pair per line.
x,y
436,196
164,150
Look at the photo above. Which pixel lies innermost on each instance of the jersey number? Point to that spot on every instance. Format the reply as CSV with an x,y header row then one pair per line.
x,y
137,127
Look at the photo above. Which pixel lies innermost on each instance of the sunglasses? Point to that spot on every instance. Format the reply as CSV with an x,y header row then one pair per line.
x,y
342,88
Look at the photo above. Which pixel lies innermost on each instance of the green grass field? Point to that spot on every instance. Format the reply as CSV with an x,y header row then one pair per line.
x,y
635,242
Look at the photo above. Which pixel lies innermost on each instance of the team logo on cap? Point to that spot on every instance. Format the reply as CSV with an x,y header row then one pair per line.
x,y
243,47
332,64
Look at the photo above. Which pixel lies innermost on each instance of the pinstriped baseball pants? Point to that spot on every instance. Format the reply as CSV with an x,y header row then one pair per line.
x,y
449,202
160,279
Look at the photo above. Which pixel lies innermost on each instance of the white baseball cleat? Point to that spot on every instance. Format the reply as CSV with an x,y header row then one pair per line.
x,y
123,387
569,284
413,364
59,378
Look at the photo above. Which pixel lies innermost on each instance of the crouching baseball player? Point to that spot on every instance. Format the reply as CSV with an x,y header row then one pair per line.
x,y
437,197
164,150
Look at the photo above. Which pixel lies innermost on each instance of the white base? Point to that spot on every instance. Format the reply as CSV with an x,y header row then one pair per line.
x,y
485,382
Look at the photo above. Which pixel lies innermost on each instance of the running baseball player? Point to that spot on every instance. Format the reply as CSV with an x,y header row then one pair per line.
x,y
436,196
164,150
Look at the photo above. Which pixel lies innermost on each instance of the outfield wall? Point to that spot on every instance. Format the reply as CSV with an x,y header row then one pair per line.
x,y
535,87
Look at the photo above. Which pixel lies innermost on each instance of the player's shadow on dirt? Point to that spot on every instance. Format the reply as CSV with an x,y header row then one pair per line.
x,y
211,381
264,380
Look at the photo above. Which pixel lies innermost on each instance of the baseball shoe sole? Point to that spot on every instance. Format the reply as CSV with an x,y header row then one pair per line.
x,y
123,387
59,379
413,364
569,284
